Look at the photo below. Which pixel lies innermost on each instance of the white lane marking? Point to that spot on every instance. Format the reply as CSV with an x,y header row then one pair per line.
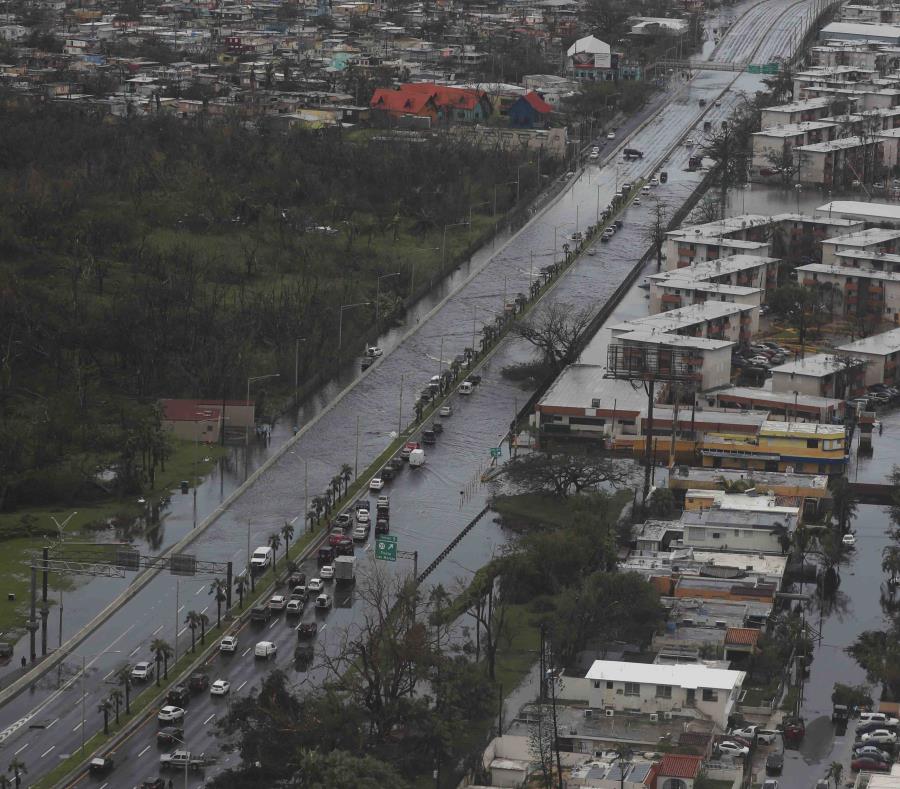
x,y
205,610
273,624
181,609
199,591
21,749
293,520
134,652
54,721
243,683
76,727
156,632
209,719
244,653
109,675
103,786
47,751
182,631
143,752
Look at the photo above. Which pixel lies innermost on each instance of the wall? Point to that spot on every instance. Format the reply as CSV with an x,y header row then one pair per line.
x,y
736,539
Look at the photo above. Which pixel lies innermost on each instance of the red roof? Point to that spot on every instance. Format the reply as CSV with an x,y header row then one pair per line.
x,y
412,102
189,411
538,103
412,97
677,766
745,636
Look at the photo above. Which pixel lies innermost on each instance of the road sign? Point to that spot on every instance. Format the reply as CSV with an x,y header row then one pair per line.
x,y
386,548
495,452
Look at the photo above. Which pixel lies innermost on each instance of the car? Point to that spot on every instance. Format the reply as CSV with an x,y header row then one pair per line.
x,y
654,181
878,717
869,764
343,520
220,688
626,187
774,763
618,224
326,572
228,644
170,714
198,683
869,726
733,749
872,751
636,201
880,736
607,235
770,783
611,136
296,579
153,783
344,549
437,426
382,526
373,351
336,537
748,732
360,533
362,516
295,606
849,540
100,765
265,649
142,672
767,736
689,141
594,156
383,501
277,602
261,558
376,483
446,410
316,585
298,592
323,601
823,784
306,630
170,735
179,696
645,190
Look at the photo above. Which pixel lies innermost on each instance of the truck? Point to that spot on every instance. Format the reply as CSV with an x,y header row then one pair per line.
x,y
417,458
178,760
345,569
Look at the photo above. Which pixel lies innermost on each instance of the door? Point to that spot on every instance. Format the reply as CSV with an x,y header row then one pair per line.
x,y
691,697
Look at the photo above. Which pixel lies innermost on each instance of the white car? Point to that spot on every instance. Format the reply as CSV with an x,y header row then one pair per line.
x,y
326,572
383,501
848,540
611,136
362,516
315,585
277,602
323,601
373,351
654,181
733,749
645,190
170,714
261,558
748,732
142,671
265,649
295,606
689,142
636,201
376,483
228,644
879,736
360,533
446,410
878,717
220,687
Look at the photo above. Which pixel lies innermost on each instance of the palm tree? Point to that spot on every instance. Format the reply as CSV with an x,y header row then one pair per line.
x,y
844,502
318,504
161,654
115,696
287,532
204,623
274,544
18,769
192,621
123,676
835,769
346,476
311,517
105,707
890,563
219,588
336,484
5,783
240,586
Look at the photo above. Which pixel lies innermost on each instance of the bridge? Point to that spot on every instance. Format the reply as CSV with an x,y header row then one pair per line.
x,y
711,65
873,492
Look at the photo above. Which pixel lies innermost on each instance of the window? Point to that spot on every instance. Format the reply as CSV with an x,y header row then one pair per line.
x,y
664,691
632,689
609,685
717,535
737,532
596,683
812,443
710,694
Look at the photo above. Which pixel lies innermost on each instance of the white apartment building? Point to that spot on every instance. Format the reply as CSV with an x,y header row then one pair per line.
x,y
856,290
820,375
837,162
690,690
671,294
874,241
775,143
708,361
795,112
716,320
882,352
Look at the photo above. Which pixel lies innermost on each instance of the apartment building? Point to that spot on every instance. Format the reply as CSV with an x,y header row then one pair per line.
x,y
707,361
881,352
873,242
865,213
796,112
753,524
775,144
716,320
738,271
677,292
820,375
858,292
838,162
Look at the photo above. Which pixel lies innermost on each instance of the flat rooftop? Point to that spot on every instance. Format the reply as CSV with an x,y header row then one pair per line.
x,y
851,271
800,106
684,676
744,519
579,384
674,340
878,344
869,212
682,318
719,420
868,254
860,29
767,478
781,398
817,366
710,269
864,238
798,429
842,143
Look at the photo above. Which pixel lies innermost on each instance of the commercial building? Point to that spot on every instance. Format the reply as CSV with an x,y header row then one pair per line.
x,y
779,405
881,352
613,686
820,375
859,33
204,420
762,530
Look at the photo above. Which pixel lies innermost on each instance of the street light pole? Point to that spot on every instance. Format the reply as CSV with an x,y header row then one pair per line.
x,y
247,404
400,415
444,242
297,362
341,320
378,294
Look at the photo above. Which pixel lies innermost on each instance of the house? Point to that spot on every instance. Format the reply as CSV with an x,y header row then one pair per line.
x,y
438,103
678,771
695,690
203,420
528,111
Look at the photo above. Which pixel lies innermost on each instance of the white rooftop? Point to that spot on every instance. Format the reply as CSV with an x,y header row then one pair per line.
x,y
861,30
578,385
836,145
793,129
675,340
816,366
851,271
864,238
870,212
683,676
880,344
710,269
682,318
799,106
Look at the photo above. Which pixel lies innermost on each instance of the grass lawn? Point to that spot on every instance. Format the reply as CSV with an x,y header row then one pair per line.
x,y
536,509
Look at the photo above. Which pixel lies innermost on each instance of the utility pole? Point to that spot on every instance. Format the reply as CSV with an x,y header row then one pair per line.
x,y
400,414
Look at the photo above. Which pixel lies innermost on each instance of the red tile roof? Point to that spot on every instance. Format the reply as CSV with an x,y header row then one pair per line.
x,y
188,411
678,766
412,97
744,636
538,103
411,102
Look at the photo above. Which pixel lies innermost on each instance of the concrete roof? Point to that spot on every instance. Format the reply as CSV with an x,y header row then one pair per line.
x,y
675,340
879,344
792,129
709,269
872,212
860,29
683,317
816,366
579,384
796,429
684,676
787,398
851,271
864,238
835,145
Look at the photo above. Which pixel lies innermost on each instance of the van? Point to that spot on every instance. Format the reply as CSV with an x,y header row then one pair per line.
x,y
417,458
466,388
261,558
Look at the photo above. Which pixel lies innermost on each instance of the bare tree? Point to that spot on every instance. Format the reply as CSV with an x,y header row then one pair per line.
x,y
555,332
656,230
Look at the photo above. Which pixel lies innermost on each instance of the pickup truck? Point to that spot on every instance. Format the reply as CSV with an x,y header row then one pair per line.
x,y
177,760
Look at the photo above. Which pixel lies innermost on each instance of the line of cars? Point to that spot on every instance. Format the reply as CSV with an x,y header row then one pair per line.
x,y
875,745
760,356
877,396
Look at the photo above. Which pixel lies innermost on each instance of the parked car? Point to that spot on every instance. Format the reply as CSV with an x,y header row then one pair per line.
x,y
733,749
220,688
767,736
170,714
872,751
747,731
880,736
869,726
870,765
774,763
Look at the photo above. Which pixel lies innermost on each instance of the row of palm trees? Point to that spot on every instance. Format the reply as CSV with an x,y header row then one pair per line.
x,y
18,769
324,504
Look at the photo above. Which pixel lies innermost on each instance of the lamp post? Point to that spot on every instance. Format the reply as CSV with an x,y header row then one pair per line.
x,y
400,415
250,380
83,670
297,362
444,242
341,320
412,265
378,293
798,188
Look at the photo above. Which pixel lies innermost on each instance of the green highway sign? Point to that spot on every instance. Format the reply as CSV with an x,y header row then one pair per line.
x,y
386,548
495,452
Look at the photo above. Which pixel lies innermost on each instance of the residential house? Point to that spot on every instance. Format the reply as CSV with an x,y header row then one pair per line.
x,y
528,111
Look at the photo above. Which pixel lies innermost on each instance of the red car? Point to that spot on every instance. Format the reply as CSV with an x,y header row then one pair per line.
x,y
337,537
870,764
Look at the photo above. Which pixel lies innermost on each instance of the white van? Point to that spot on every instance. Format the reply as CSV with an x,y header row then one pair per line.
x,y
466,388
265,649
417,458
261,558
